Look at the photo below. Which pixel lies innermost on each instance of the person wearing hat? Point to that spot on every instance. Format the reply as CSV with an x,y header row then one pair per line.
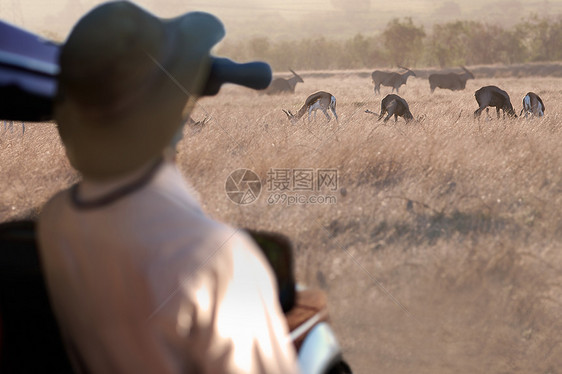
x,y
140,279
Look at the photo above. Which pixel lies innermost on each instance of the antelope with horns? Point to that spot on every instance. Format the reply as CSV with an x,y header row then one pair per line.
x,y
492,96
532,105
394,80
450,81
395,106
319,100
282,85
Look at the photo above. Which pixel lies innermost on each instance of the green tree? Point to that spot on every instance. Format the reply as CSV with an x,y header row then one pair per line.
x,y
471,42
513,48
404,41
446,45
542,37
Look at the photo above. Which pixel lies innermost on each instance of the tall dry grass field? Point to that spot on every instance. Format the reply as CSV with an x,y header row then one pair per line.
x,y
442,251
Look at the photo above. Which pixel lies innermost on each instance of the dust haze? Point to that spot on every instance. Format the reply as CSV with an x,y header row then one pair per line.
x,y
288,19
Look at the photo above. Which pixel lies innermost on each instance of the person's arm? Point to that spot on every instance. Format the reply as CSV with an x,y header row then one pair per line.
x,y
236,324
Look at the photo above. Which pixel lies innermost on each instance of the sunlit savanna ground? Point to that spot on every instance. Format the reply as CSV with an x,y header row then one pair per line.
x,y
443,251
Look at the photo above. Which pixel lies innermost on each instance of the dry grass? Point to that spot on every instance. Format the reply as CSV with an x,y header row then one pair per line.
x,y
33,168
442,253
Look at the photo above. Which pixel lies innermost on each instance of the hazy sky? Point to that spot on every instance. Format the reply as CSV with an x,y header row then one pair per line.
x,y
59,15
283,18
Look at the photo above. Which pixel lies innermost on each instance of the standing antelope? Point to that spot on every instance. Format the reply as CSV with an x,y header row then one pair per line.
x,y
319,100
395,106
493,96
532,104
394,80
282,85
450,81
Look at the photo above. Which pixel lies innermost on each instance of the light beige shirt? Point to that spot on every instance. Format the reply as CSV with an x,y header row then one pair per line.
x,y
149,284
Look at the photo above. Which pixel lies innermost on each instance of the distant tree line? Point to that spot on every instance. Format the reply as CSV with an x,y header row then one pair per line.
x,y
404,43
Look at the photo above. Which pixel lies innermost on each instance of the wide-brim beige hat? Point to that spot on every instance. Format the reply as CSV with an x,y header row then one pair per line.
x,y
128,80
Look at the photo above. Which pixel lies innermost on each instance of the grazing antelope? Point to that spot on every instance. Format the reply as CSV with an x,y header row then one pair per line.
x,y
319,100
532,104
394,80
395,106
282,85
493,96
10,125
450,81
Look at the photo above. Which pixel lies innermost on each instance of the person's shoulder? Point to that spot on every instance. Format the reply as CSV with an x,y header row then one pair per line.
x,y
246,257
234,248
228,240
236,239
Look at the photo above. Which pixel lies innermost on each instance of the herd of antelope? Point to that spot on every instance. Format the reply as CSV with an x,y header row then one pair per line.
x,y
394,105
